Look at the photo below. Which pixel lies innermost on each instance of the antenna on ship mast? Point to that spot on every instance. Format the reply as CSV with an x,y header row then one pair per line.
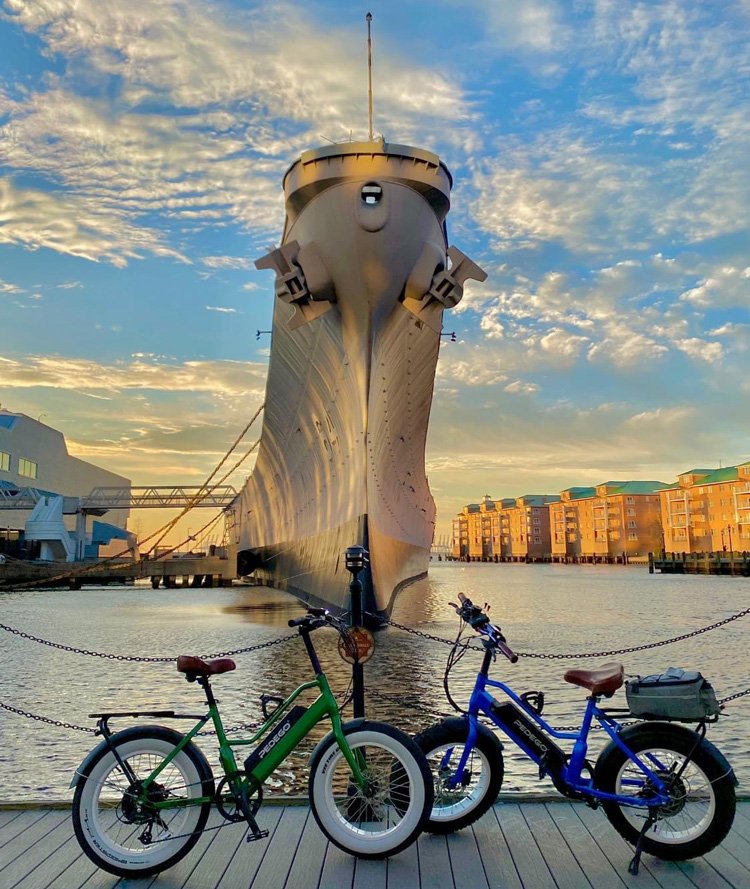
x,y
368,18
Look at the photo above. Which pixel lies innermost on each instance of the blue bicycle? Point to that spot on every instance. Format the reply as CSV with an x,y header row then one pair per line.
x,y
664,787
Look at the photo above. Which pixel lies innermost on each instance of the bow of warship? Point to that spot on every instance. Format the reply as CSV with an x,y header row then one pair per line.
x,y
363,275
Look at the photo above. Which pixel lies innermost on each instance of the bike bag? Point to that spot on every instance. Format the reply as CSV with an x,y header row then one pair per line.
x,y
682,695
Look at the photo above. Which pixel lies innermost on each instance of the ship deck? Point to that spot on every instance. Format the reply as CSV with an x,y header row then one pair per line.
x,y
518,845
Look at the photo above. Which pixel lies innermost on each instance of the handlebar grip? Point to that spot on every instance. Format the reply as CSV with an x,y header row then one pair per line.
x,y
462,599
297,621
508,652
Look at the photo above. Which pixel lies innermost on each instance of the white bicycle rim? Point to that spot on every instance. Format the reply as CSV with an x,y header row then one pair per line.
x,y
368,838
694,817
102,821
466,799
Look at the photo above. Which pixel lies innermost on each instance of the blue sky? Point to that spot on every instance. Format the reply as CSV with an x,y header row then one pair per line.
x,y
601,157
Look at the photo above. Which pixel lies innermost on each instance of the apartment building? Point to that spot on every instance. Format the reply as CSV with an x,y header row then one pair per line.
x,y
514,528
622,519
708,510
565,527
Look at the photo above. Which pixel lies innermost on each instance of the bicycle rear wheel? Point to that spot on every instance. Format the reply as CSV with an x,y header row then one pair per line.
x,y
118,830
390,812
701,789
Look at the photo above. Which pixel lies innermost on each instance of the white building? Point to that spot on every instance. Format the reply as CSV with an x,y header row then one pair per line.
x,y
33,455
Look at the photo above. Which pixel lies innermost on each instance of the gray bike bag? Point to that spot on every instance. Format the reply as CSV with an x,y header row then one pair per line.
x,y
682,695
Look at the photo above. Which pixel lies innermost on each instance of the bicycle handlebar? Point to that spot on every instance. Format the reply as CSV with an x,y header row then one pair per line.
x,y
315,618
480,623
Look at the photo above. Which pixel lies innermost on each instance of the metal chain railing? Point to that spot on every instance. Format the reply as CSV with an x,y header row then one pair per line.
x,y
143,660
580,655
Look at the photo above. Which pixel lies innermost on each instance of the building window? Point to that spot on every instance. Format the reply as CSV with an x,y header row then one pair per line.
x,y
27,467
537,540
629,500
4,462
632,536
631,524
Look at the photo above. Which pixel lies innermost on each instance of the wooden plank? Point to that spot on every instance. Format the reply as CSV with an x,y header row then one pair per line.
x,y
529,861
599,870
307,865
698,871
215,859
466,862
36,858
496,858
556,852
434,863
338,869
180,875
278,857
49,822
370,874
19,825
653,872
47,872
726,864
247,856
403,869
6,816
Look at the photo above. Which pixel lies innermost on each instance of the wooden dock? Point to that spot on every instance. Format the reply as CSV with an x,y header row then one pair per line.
x,y
732,563
517,845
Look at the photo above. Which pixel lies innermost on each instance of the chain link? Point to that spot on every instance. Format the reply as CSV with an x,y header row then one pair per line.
x,y
143,660
35,716
585,654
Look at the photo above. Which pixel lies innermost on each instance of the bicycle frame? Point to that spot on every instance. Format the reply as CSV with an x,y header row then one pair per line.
x,y
534,739
323,706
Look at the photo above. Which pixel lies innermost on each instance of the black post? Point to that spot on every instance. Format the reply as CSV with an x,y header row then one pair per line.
x,y
355,562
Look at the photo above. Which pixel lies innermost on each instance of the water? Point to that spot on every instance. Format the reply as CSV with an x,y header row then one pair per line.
x,y
542,608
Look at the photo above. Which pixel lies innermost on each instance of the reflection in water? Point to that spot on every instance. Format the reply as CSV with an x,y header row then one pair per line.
x,y
542,608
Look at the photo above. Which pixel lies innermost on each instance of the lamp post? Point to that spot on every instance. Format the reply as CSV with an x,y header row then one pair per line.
x,y
723,545
355,559
729,532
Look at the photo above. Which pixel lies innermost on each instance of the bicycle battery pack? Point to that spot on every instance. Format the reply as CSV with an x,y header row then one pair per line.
x,y
266,746
528,736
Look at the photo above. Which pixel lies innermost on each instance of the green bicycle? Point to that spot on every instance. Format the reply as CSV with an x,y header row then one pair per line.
x,y
144,794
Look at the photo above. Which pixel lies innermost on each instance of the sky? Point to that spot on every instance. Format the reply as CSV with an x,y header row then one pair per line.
x,y
601,158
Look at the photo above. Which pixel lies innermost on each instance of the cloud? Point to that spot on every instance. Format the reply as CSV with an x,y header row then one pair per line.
x,y
6,287
223,378
70,285
74,225
223,309
727,287
702,349
226,262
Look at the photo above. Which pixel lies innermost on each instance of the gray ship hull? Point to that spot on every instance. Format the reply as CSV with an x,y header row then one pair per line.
x,y
362,283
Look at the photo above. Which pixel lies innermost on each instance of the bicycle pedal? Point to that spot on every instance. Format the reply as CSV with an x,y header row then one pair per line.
x,y
260,835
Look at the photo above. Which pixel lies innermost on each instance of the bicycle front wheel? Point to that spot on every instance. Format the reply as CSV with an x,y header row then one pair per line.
x,y
116,824
389,813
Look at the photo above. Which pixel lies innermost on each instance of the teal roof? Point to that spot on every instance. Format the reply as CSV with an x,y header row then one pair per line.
x,y
727,474
696,472
639,487
579,493
539,499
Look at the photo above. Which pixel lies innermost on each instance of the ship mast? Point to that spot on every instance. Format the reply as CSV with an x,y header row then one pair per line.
x,y
368,18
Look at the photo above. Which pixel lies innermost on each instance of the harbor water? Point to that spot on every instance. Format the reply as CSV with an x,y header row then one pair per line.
x,y
552,609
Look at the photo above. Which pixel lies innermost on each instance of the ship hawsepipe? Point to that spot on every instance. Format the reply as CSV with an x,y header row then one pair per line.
x,y
363,275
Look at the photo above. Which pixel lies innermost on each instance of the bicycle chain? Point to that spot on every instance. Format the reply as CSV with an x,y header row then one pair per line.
x,y
142,660
579,655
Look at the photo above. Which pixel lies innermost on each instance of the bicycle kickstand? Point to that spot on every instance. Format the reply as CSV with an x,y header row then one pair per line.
x,y
636,860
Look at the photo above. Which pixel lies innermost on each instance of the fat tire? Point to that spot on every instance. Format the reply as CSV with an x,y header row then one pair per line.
x,y
160,739
401,745
456,731
679,740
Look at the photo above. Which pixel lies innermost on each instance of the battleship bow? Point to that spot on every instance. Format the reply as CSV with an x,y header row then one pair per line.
x,y
362,278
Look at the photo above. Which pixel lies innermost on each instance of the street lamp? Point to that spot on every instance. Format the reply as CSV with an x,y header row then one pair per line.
x,y
723,545
729,532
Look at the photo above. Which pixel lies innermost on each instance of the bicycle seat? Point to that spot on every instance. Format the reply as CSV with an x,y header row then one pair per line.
x,y
186,663
604,681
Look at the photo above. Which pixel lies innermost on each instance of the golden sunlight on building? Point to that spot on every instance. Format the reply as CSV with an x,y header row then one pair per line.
x,y
613,521
708,510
